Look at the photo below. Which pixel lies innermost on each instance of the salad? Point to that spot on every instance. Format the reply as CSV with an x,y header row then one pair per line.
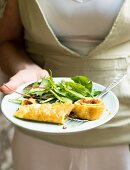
x,y
54,102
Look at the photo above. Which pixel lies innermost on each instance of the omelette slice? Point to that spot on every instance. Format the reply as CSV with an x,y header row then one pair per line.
x,y
89,108
53,113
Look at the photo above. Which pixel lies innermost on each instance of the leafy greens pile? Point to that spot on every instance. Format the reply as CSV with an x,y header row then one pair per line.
x,y
47,90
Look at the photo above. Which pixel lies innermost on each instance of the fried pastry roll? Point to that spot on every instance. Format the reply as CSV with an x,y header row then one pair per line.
x,y
89,108
53,113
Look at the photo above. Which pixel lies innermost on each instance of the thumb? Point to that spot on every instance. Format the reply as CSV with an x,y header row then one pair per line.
x,y
10,86
23,76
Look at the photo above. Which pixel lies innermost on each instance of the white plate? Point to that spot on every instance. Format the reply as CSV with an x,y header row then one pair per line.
x,y
111,108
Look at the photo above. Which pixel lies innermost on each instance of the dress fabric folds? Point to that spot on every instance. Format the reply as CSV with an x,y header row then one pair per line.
x,y
2,7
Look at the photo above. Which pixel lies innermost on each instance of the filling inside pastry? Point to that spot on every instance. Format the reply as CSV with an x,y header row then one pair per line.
x,y
88,108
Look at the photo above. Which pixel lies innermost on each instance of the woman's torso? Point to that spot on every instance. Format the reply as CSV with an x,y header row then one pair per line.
x,y
101,63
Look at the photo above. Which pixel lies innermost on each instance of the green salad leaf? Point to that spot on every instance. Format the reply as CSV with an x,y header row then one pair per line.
x,y
46,90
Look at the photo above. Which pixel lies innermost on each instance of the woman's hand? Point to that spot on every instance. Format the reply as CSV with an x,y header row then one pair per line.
x,y
21,77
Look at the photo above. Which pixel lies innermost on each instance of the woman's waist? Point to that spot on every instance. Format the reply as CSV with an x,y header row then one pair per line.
x,y
99,70
83,63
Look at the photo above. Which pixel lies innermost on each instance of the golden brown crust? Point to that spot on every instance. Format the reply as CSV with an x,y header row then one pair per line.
x,y
90,109
53,113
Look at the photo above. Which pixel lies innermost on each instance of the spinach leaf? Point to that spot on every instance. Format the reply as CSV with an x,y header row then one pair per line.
x,y
83,80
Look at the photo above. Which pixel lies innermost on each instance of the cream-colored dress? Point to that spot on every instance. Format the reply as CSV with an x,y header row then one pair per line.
x,y
94,149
